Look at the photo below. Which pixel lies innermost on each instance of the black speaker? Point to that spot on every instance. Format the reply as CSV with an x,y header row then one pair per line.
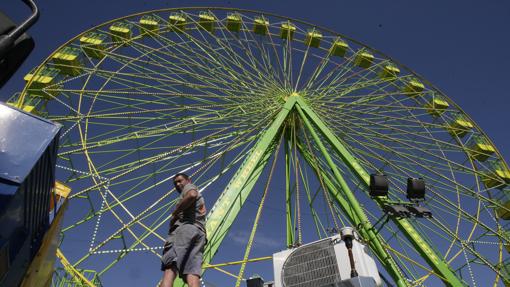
x,y
415,189
378,185
255,281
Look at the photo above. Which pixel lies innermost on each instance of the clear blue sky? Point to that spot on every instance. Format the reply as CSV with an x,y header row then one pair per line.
x,y
460,46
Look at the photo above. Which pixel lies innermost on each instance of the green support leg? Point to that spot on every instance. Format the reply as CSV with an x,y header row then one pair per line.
x,y
288,203
360,219
333,190
225,210
438,264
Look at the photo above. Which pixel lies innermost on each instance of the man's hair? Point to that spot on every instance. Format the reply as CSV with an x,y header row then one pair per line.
x,y
186,177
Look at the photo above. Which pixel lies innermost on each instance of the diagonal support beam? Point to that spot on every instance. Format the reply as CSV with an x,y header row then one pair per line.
x,y
230,202
227,207
288,192
357,215
333,190
436,262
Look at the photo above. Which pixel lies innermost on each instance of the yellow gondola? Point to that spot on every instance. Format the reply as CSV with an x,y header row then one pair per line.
x,y
68,61
149,25
93,45
363,59
177,22
234,22
46,77
459,127
121,32
339,48
207,21
389,72
436,106
313,39
413,87
287,31
260,26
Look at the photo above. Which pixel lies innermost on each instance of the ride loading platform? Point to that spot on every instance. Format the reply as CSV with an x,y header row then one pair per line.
x,y
32,202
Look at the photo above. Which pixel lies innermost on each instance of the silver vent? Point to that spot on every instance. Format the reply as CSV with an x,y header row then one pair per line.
x,y
312,265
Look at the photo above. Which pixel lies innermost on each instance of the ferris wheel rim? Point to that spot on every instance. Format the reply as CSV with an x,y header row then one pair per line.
x,y
251,11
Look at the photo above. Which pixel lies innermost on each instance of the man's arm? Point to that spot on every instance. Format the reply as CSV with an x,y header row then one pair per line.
x,y
189,198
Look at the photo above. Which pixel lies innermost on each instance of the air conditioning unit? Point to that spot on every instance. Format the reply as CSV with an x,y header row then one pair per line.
x,y
325,263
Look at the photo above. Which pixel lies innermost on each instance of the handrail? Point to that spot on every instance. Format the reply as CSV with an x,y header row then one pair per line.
x,y
7,41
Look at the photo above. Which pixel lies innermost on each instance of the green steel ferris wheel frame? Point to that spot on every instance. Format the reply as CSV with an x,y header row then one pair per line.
x,y
225,95
227,207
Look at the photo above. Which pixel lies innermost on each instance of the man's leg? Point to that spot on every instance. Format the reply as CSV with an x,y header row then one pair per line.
x,y
193,280
169,276
193,267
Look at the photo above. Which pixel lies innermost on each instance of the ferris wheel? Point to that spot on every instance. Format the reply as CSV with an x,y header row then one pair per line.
x,y
281,124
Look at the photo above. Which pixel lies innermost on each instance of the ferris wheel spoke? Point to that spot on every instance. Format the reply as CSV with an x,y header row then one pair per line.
x,y
287,63
365,92
470,249
138,240
359,80
336,74
269,68
150,134
303,61
207,113
416,161
176,82
279,67
129,165
131,222
160,156
203,98
134,81
224,60
249,44
319,69
205,71
401,145
217,154
165,171
249,78
153,94
128,229
205,43
125,114
442,200
396,134
350,73
382,158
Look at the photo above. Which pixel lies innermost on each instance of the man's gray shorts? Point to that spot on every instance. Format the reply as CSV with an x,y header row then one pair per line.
x,y
183,249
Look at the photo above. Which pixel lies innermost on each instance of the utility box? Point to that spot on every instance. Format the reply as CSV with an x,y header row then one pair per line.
x,y
325,263
28,154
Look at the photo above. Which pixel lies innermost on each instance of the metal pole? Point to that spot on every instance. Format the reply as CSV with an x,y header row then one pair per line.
x,y
7,41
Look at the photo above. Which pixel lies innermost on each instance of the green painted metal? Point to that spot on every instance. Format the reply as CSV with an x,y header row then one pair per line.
x,y
288,203
330,184
225,210
359,218
228,205
437,264
332,188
